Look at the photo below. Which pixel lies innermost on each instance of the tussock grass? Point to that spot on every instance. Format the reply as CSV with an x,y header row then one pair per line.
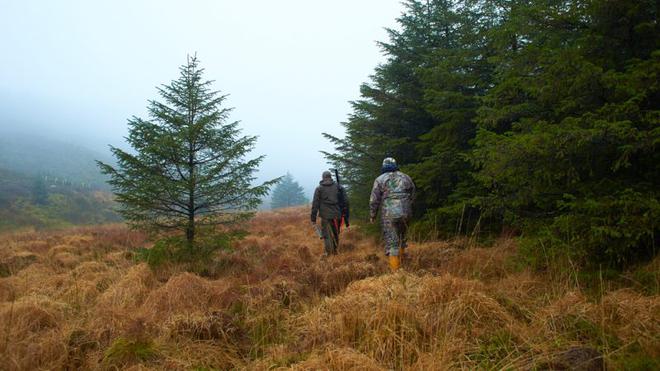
x,y
187,293
397,317
78,299
32,333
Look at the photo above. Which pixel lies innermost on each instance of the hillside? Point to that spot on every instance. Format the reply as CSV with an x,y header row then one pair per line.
x,y
46,183
77,298
34,155
32,201
13,185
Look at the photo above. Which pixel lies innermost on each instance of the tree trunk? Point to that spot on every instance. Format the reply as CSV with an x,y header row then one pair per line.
x,y
190,230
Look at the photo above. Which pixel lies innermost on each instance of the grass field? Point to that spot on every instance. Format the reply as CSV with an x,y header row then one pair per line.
x,y
77,299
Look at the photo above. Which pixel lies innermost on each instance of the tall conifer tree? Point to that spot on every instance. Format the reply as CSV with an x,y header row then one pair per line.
x,y
538,116
188,166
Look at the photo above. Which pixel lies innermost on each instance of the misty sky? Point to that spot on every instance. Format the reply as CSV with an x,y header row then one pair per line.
x,y
76,70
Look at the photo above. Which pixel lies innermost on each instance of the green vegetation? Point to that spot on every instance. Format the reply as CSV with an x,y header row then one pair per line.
x,y
49,184
529,116
635,360
189,168
288,193
176,250
124,351
41,202
495,349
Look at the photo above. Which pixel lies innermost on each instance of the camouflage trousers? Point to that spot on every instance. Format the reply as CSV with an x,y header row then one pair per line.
x,y
394,235
330,231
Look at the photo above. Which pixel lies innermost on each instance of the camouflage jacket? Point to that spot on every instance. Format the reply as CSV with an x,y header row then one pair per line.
x,y
393,193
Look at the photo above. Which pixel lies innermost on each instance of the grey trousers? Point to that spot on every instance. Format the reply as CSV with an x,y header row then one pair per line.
x,y
330,230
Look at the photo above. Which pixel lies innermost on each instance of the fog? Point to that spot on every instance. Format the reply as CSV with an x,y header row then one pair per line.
x,y
77,70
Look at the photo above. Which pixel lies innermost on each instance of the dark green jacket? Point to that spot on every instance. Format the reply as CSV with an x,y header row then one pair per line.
x,y
330,202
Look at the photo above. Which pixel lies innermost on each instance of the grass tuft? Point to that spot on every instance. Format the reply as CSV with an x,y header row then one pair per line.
x,y
123,352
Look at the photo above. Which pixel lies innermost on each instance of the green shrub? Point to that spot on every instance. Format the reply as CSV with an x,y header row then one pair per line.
x,y
494,349
124,351
646,278
615,231
633,358
577,328
177,250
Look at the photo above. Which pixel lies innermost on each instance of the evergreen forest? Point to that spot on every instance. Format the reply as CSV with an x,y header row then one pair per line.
x,y
524,117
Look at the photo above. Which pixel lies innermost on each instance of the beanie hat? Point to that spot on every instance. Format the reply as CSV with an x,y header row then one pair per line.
x,y
389,161
389,165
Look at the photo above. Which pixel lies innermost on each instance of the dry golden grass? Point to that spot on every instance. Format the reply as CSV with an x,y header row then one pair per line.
x,y
77,299
338,359
395,318
632,317
32,329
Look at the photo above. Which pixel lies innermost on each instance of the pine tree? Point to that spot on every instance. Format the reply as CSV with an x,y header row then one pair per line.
x,y
567,145
188,166
390,115
420,105
288,193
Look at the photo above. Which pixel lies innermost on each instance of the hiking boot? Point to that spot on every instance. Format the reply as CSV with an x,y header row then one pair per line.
x,y
395,263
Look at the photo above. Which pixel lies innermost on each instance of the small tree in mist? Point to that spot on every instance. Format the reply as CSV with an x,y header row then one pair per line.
x,y
288,193
188,168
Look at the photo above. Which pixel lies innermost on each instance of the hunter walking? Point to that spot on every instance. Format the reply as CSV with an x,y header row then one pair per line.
x,y
393,194
331,204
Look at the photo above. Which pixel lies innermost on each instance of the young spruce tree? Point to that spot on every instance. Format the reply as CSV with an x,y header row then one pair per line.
x,y
188,167
288,193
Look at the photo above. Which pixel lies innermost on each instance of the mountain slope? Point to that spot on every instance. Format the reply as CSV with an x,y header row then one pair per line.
x,y
35,155
35,201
